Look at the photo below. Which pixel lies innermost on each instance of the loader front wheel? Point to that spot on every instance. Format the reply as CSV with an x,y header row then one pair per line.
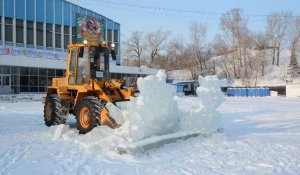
x,y
88,114
53,111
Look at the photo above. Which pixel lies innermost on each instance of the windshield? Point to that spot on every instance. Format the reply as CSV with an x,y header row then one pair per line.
x,y
99,68
97,59
93,67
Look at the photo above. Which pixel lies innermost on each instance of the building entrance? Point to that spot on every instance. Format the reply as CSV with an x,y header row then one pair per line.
x,y
5,84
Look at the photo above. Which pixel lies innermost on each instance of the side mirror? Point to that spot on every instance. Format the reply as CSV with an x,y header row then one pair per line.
x,y
113,54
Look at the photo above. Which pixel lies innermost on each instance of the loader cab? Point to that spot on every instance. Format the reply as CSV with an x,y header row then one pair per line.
x,y
88,61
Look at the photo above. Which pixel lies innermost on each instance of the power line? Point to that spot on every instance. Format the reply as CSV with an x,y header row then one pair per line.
x,y
174,15
126,28
207,15
162,14
173,10
124,36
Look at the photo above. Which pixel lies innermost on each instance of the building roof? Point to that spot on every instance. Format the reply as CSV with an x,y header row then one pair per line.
x,y
89,10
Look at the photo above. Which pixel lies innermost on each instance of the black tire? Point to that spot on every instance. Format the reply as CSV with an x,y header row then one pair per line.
x,y
88,114
53,111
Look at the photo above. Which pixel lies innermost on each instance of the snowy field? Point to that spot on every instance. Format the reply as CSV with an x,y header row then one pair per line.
x,y
263,137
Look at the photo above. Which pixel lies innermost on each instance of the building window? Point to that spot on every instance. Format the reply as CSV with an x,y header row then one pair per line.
x,y
39,34
19,31
59,73
29,32
33,89
23,80
49,38
43,81
117,48
24,71
112,75
74,33
42,72
34,71
15,80
57,36
66,37
5,70
42,89
15,70
51,72
118,76
0,30
8,29
116,36
109,35
116,41
33,80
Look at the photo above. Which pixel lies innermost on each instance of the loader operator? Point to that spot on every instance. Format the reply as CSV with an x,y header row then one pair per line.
x,y
94,62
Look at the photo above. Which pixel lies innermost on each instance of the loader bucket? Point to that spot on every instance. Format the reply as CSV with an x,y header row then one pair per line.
x,y
106,119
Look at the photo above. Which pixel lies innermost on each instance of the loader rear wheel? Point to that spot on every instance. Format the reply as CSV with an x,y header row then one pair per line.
x,y
53,111
88,114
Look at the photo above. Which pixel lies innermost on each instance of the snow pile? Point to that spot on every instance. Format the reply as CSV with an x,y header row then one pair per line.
x,y
12,98
99,139
115,112
154,111
204,116
56,132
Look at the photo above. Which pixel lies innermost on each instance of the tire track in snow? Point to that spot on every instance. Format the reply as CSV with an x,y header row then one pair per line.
x,y
15,155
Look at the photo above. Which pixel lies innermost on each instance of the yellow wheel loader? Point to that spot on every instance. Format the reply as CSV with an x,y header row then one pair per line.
x,y
86,89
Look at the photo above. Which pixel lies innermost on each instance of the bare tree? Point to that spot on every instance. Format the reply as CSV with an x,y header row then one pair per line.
x,y
188,62
133,47
261,42
294,38
231,24
156,42
277,25
198,35
220,45
175,51
223,62
237,33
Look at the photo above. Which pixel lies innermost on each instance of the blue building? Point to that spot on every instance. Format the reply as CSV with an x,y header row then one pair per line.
x,y
47,24
34,35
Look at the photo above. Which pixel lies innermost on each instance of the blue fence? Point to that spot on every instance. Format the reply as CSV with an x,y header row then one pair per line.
x,y
248,92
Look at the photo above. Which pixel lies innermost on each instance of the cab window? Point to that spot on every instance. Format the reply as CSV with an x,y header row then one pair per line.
x,y
83,66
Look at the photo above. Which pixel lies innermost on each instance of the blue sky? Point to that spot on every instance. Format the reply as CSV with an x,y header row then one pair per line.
x,y
133,18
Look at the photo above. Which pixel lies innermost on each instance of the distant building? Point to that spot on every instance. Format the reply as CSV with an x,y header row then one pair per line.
x,y
182,88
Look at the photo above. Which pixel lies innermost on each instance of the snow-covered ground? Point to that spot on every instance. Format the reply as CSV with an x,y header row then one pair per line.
x,y
263,137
